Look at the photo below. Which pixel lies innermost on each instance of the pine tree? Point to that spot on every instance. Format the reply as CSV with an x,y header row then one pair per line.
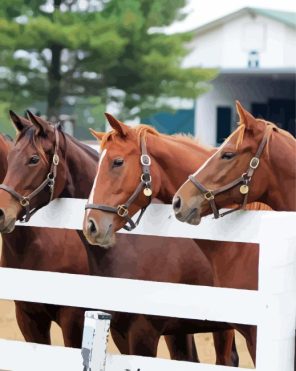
x,y
54,49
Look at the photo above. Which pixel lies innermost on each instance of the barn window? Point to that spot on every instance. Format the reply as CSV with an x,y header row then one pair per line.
x,y
253,59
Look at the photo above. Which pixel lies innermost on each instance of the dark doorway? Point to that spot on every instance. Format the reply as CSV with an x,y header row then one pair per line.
x,y
279,111
282,113
223,123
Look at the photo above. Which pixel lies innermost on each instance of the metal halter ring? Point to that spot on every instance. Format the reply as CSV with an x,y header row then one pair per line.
x,y
122,211
55,159
254,163
209,196
24,202
145,160
146,181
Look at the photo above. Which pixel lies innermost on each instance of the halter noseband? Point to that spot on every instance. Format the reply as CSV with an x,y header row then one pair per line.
x,y
145,182
49,181
244,180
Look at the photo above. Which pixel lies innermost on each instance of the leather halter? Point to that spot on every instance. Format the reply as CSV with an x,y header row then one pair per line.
x,y
49,181
244,180
145,183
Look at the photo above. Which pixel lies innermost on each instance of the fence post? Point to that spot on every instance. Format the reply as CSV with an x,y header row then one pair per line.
x,y
277,288
95,340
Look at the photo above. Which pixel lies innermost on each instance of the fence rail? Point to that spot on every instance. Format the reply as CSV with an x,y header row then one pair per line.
x,y
272,308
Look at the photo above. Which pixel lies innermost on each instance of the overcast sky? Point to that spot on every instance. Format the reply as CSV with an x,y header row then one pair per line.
x,y
203,11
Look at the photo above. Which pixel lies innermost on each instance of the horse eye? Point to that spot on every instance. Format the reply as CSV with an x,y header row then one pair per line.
x,y
117,162
34,160
228,155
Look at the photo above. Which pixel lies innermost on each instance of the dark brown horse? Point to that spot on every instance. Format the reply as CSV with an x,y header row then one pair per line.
x,y
173,158
40,249
134,334
257,161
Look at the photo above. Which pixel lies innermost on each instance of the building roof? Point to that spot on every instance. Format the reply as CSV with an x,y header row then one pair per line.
x,y
288,18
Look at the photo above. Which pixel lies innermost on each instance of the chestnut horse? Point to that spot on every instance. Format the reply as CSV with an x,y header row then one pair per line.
x,y
167,160
136,257
256,162
40,249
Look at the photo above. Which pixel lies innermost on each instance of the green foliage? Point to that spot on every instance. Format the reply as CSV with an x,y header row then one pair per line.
x,y
52,52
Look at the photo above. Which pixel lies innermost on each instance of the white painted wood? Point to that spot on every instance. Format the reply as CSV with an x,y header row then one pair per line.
x,y
228,45
95,340
272,308
243,226
156,298
19,356
277,282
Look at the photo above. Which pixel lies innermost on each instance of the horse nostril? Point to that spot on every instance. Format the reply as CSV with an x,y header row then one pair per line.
x,y
177,203
92,227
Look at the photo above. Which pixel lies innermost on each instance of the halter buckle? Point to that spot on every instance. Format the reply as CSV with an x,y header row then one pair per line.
x,y
55,159
145,160
209,196
254,163
122,211
24,202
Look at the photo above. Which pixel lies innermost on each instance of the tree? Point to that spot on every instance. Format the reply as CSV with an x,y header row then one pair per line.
x,y
56,49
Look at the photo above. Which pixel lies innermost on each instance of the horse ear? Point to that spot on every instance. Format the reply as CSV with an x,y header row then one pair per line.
x,y
244,116
98,135
20,123
42,125
117,125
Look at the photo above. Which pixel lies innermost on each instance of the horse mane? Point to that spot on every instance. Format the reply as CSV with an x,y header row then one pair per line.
x,y
142,130
258,206
89,150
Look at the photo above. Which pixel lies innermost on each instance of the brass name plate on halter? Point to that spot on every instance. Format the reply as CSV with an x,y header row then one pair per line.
x,y
147,192
244,189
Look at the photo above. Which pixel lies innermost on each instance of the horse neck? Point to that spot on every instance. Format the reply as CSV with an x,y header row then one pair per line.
x,y
174,159
16,246
281,173
81,163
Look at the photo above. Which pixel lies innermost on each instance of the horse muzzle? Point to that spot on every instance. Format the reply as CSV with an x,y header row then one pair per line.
x,y
102,236
186,213
7,222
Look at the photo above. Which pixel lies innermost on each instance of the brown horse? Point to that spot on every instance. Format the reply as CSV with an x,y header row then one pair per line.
x,y
257,161
36,249
32,156
172,158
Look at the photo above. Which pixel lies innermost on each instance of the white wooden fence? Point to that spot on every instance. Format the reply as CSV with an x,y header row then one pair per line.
x,y
272,308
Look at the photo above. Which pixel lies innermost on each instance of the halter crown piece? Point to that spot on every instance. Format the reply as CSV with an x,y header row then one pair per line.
x,y
244,180
145,185
49,181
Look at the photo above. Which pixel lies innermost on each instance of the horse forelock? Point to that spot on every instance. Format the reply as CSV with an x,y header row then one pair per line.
x,y
31,137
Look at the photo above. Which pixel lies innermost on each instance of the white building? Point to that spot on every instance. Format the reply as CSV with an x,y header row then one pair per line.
x,y
255,52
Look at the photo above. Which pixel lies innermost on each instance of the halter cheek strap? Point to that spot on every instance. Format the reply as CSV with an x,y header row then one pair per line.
x,y
244,181
49,181
144,185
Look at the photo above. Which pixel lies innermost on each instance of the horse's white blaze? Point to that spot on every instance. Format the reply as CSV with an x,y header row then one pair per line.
x,y
91,196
